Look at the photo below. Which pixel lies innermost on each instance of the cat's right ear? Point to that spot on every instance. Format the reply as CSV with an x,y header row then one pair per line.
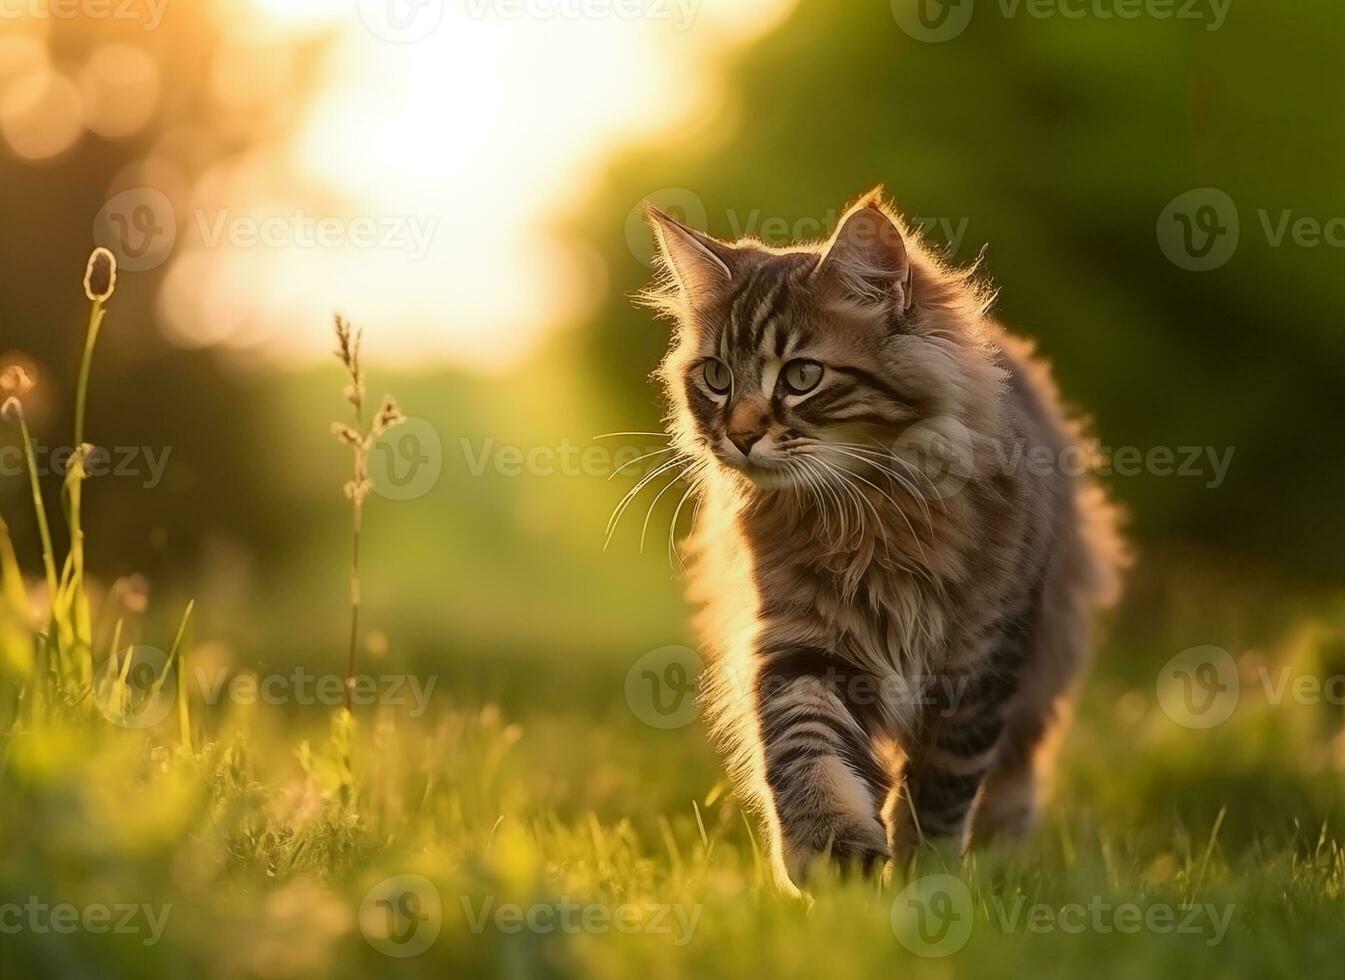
x,y
701,266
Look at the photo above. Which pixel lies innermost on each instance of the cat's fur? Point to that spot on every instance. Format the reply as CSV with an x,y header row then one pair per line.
x,y
896,604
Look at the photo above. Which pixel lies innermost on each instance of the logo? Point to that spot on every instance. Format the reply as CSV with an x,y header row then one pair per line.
x,y
661,687
1199,230
1199,687
401,21
936,457
682,204
139,227
932,916
407,461
401,916
135,688
933,21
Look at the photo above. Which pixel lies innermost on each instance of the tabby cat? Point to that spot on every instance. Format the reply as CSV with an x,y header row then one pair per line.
x,y
897,565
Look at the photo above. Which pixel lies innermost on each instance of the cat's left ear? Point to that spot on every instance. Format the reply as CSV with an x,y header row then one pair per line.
x,y
866,267
701,265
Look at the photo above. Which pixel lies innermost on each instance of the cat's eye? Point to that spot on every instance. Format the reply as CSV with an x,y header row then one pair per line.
x,y
717,375
802,377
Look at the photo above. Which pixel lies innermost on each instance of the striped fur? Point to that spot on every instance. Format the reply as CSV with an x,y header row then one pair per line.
x,y
893,636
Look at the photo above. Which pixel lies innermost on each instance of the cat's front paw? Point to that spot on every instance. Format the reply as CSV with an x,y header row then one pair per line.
x,y
852,847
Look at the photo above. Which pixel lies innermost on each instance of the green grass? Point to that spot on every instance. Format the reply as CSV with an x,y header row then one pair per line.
x,y
552,833
263,845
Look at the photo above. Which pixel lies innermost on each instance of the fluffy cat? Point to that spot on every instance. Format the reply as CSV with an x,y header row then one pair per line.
x,y
895,605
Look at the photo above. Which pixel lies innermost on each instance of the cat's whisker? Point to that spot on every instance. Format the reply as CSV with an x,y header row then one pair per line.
x,y
694,485
818,488
806,484
630,495
898,479
644,528
626,465
915,471
614,435
842,510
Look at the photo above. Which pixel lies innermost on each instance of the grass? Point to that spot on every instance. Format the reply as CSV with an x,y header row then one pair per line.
x,y
554,834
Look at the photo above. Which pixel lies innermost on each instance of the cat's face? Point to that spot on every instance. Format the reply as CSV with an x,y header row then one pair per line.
x,y
794,365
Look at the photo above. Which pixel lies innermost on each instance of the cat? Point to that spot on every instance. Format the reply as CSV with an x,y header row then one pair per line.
x,y
896,605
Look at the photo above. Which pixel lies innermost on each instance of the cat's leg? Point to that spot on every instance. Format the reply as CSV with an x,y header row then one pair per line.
x,y
946,775
1010,801
825,784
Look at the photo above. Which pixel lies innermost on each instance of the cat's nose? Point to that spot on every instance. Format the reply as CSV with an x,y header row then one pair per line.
x,y
748,422
746,440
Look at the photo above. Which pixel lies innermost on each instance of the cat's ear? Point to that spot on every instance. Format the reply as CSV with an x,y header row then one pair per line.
x,y
701,265
866,268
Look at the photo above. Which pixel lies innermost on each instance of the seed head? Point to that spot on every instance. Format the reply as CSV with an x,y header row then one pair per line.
x,y
12,409
389,415
15,381
100,277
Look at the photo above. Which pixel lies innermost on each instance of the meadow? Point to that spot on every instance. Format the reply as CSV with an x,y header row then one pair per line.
x,y
168,812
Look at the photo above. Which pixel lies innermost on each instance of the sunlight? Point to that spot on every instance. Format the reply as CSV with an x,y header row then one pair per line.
x,y
441,235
